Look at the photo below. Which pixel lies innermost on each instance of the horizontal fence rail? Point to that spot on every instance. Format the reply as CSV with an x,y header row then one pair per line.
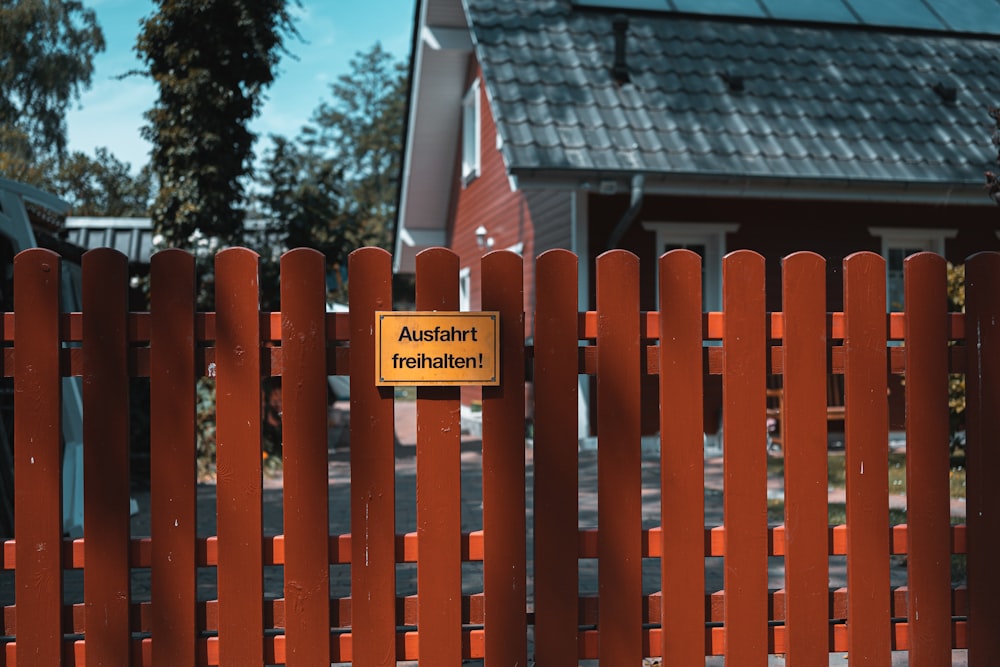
x,y
535,540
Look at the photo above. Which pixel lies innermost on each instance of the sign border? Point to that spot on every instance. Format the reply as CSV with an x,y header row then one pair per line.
x,y
493,315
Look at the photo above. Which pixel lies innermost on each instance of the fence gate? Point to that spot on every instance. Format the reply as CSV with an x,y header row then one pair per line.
x,y
617,569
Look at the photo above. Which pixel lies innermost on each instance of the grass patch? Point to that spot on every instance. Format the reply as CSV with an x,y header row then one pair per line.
x,y
836,513
837,472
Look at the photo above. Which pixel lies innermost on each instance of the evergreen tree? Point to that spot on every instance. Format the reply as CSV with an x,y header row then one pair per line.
x,y
212,60
362,128
302,206
334,188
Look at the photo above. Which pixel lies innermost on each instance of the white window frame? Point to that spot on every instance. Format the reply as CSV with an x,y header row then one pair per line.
x,y
465,289
907,238
712,235
471,134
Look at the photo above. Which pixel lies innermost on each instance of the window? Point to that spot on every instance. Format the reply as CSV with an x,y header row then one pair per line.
x,y
706,239
898,244
465,289
470,134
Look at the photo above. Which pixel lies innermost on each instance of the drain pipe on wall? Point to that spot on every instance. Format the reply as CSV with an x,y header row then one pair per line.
x,y
635,203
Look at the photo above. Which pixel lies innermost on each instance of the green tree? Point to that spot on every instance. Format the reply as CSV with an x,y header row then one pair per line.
x,y
334,188
47,50
363,128
302,206
103,185
212,60
18,161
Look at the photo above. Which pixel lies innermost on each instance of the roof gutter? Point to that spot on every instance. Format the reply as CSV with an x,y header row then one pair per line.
x,y
635,203
681,185
411,72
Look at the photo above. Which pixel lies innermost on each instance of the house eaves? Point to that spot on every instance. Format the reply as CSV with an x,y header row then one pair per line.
x,y
441,51
738,187
22,206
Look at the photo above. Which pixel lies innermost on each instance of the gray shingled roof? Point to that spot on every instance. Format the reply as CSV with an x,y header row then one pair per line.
x,y
817,102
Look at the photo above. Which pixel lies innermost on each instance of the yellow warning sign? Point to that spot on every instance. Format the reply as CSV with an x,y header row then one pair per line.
x,y
427,348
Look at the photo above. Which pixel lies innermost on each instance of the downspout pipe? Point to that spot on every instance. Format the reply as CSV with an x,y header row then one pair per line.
x,y
635,203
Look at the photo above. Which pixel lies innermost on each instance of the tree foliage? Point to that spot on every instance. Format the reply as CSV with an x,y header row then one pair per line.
x,y
362,129
47,50
956,381
300,205
18,161
334,187
212,60
103,185
304,198
100,186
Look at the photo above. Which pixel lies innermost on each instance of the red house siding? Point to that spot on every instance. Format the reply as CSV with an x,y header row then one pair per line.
x,y
776,228
772,227
488,201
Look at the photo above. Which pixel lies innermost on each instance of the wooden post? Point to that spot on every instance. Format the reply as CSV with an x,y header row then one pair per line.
x,y
556,460
238,458
869,628
373,491
172,457
744,459
804,440
439,474
982,279
504,523
37,460
106,457
927,461
682,469
619,481
304,457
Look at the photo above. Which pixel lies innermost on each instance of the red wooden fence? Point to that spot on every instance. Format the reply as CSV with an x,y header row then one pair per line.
x,y
530,577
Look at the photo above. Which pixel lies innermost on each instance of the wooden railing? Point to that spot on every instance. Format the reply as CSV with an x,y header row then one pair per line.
x,y
173,345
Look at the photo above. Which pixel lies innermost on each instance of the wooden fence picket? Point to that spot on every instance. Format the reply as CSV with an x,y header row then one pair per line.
x,y
804,441
104,348
982,292
238,458
744,459
927,465
304,457
682,470
439,557
373,491
556,484
869,629
106,457
37,460
172,457
619,481
504,523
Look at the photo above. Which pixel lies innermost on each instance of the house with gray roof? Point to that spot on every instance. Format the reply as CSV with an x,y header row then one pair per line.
x,y
774,125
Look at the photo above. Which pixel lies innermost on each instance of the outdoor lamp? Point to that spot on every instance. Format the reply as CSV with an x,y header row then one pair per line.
x,y
482,240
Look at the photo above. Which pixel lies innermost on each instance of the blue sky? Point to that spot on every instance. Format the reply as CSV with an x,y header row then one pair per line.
x,y
110,113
